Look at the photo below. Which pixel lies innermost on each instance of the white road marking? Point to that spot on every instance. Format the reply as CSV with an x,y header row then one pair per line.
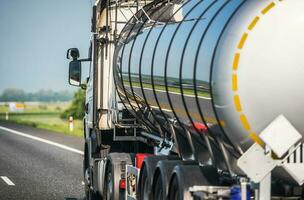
x,y
42,140
164,109
7,180
82,183
186,95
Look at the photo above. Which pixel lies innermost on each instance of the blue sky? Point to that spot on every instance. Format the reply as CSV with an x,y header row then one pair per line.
x,y
34,37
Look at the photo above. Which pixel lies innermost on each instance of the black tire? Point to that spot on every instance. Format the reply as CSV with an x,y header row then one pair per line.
x,y
161,178
144,183
158,189
180,182
174,192
113,174
108,190
89,194
146,175
85,159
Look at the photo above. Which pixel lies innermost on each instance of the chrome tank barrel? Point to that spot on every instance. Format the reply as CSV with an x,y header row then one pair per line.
x,y
233,66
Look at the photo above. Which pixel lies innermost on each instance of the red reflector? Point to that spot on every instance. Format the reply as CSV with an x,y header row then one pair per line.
x,y
200,127
122,184
140,159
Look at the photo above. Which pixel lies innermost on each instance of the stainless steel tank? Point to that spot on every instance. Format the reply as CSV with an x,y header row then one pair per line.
x,y
233,65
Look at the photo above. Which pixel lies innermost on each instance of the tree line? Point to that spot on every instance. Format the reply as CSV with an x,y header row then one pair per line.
x,y
19,95
77,107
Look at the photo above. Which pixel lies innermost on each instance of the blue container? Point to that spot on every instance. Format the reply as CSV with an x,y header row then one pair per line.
x,y
236,194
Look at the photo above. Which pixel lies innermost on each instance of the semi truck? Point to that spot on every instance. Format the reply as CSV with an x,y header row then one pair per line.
x,y
193,99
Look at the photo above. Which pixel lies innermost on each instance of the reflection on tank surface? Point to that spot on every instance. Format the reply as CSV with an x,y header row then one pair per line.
x,y
164,63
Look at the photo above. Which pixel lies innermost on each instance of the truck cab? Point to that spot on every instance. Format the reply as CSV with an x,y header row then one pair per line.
x,y
103,110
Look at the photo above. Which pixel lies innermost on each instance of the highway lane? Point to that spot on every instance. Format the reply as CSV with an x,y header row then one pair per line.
x,y
39,170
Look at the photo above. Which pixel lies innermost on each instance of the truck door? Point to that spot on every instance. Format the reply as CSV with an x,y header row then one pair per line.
x,y
89,94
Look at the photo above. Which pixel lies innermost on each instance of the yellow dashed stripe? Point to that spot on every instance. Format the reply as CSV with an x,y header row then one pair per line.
x,y
235,66
237,103
234,82
253,23
268,8
245,122
256,138
243,40
236,61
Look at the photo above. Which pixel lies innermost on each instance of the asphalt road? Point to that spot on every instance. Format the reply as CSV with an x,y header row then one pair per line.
x,y
33,169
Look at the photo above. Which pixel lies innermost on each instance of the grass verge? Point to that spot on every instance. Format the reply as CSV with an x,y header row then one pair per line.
x,y
46,121
45,117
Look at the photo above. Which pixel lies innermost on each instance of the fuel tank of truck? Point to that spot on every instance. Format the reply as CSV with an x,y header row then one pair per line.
x,y
231,65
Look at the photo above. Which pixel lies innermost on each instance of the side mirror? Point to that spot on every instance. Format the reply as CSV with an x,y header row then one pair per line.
x,y
75,73
73,53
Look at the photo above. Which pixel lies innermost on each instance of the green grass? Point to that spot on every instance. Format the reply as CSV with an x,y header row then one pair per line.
x,y
39,108
3,109
45,117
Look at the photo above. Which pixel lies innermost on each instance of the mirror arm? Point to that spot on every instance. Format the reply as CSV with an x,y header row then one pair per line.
x,y
83,86
85,60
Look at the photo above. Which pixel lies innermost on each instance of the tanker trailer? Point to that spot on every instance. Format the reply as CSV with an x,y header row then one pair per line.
x,y
206,104
219,72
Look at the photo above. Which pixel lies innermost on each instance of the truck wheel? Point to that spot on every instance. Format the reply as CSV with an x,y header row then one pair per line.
x,y
114,173
85,159
184,177
108,184
143,185
158,190
89,192
174,192
146,175
91,195
162,177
